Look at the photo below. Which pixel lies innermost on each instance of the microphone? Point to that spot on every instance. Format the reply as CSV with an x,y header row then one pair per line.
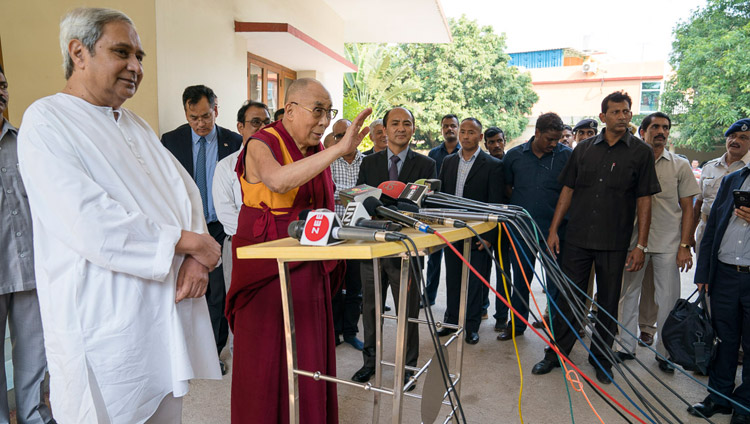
x,y
297,229
356,215
375,207
466,216
434,220
390,191
379,224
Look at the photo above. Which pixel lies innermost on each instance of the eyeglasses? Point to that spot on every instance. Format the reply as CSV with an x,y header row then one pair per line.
x,y
319,112
256,122
338,137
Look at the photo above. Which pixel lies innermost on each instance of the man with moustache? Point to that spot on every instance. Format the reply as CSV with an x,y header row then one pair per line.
x,y
449,129
722,269
119,225
567,136
669,236
736,157
606,177
377,135
396,163
494,142
199,145
531,175
18,298
283,170
466,174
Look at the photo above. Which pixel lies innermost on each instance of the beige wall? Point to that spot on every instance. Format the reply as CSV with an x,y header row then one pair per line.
x,y
29,30
197,45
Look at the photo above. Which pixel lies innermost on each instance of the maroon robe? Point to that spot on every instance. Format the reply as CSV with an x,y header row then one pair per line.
x,y
259,376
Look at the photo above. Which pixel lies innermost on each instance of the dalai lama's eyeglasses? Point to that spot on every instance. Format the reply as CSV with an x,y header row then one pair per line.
x,y
319,112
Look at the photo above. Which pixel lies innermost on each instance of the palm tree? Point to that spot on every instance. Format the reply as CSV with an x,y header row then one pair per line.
x,y
376,84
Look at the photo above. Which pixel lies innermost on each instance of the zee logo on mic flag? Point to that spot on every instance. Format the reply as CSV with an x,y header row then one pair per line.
x,y
317,227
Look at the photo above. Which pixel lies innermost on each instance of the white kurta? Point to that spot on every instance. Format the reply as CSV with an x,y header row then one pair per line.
x,y
108,203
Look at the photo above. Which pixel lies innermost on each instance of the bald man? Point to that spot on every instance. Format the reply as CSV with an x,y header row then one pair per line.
x,y
283,170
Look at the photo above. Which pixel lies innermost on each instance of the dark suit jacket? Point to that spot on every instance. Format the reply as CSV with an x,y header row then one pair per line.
x,y
485,182
374,168
180,142
718,220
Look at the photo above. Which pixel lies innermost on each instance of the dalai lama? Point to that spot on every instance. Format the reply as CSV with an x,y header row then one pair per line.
x,y
284,170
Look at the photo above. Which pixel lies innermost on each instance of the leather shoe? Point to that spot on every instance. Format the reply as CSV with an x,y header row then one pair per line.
x,y
623,356
545,366
500,326
364,374
472,338
446,332
646,338
540,323
665,366
602,376
740,419
507,334
708,408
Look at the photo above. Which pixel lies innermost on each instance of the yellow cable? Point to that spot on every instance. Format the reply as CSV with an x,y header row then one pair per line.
x,y
574,382
512,319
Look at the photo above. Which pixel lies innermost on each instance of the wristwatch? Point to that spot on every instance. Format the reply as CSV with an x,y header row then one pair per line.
x,y
685,245
642,247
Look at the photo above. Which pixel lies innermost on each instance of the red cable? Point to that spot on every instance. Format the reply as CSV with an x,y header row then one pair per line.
x,y
552,346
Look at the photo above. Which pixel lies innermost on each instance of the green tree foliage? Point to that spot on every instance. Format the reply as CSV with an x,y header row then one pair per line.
x,y
378,84
711,86
469,78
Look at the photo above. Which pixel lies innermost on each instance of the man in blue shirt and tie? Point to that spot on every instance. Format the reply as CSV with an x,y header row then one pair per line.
x,y
198,146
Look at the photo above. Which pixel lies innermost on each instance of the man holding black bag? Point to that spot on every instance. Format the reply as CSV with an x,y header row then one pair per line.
x,y
723,269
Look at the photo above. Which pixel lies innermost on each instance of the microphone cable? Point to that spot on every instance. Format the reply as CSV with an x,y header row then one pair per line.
x,y
416,270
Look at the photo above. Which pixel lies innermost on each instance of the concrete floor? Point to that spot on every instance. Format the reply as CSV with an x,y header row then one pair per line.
x,y
490,387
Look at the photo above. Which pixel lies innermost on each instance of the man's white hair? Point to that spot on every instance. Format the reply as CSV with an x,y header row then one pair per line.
x,y
86,24
374,124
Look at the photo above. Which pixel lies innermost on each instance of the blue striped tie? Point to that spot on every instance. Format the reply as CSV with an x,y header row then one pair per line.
x,y
200,175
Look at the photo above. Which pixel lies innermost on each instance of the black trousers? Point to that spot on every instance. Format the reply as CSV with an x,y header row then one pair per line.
x,y
576,264
730,314
347,302
216,295
481,261
390,271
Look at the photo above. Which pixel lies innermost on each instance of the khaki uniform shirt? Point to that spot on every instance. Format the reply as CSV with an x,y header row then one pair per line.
x,y
711,175
677,181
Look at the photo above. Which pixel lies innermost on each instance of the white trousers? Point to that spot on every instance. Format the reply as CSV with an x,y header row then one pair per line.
x,y
666,293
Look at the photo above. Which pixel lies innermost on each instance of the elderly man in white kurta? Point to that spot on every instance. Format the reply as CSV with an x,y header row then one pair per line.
x,y
122,254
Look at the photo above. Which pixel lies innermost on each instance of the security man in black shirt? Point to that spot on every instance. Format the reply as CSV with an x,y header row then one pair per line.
x,y
603,181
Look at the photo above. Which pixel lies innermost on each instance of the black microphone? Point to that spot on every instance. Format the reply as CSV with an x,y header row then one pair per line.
x,y
375,208
435,220
296,228
379,224
465,216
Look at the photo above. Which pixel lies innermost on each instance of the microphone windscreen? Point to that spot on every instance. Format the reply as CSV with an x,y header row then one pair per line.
x,y
392,188
407,205
303,214
371,204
